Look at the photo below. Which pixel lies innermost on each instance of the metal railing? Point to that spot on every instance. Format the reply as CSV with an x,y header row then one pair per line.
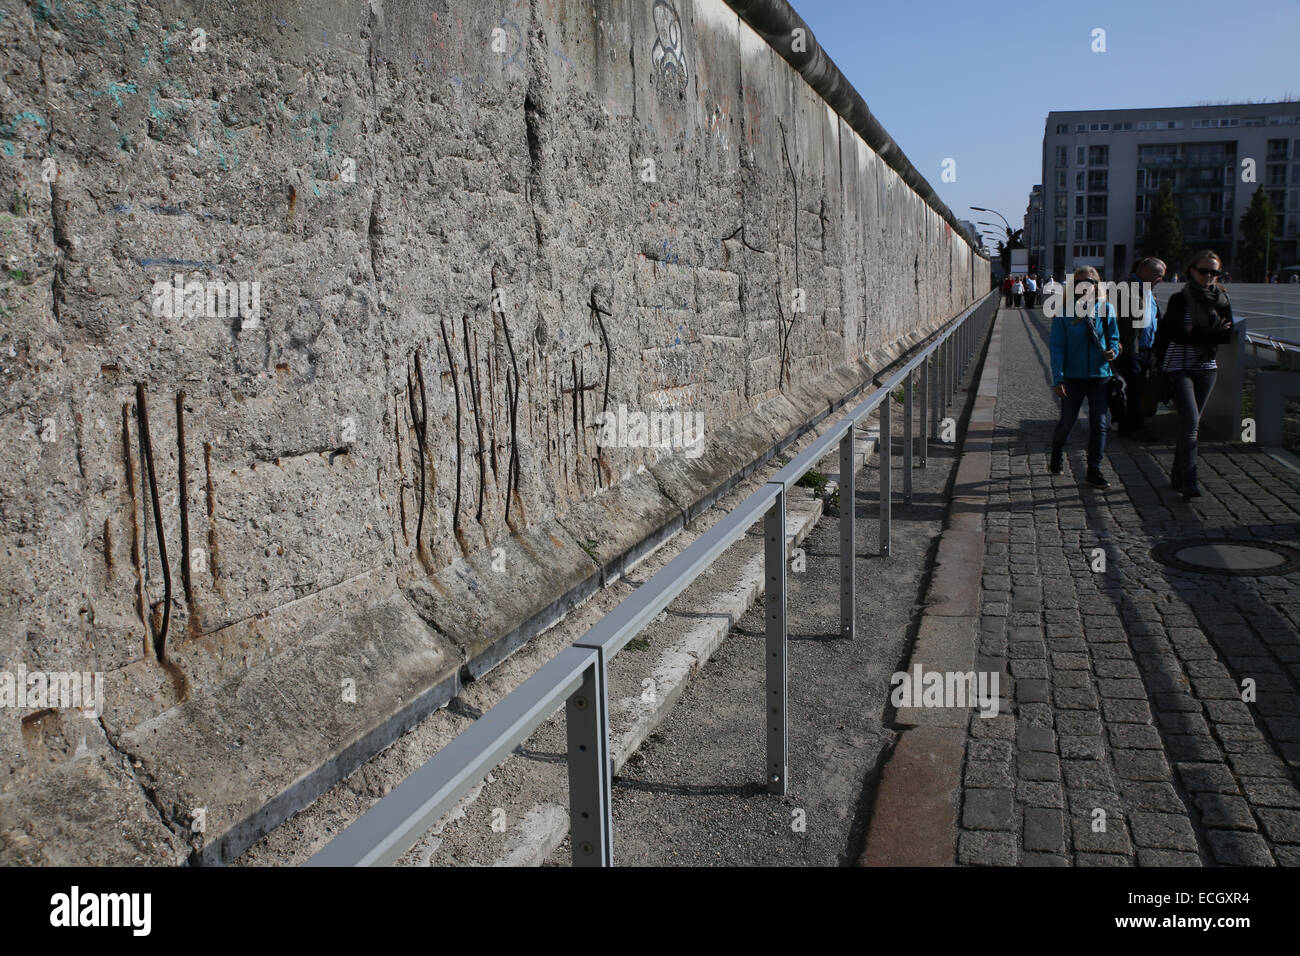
x,y
577,675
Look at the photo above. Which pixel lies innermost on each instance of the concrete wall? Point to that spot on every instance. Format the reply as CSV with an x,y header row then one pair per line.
x,y
435,225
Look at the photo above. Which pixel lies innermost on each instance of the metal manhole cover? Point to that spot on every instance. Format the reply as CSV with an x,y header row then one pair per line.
x,y
1228,557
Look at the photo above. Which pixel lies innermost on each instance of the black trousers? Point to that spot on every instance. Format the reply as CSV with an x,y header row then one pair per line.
x,y
1134,371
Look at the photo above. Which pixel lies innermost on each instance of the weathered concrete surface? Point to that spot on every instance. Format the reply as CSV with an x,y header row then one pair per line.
x,y
461,261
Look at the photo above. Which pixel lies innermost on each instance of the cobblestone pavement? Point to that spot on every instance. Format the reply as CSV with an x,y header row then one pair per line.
x,y
1128,741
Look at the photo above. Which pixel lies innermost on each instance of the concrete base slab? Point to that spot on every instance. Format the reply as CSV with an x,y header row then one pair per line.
x,y
915,821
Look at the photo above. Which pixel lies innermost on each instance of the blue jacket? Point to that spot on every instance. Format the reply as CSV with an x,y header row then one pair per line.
x,y
1074,353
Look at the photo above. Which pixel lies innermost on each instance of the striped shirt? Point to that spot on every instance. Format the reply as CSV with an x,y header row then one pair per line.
x,y
1180,357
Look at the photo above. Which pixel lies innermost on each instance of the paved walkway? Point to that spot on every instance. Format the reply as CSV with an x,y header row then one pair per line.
x,y
1129,741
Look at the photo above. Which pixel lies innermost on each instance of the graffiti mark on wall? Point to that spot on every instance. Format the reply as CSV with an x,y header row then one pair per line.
x,y
669,53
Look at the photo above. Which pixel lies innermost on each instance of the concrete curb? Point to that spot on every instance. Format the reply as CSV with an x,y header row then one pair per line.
x,y
914,822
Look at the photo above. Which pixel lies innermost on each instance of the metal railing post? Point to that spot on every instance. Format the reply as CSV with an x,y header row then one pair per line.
x,y
907,439
925,411
848,509
776,648
590,826
947,373
886,476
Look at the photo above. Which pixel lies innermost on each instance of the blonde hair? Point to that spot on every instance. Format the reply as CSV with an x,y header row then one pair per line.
x,y
1088,272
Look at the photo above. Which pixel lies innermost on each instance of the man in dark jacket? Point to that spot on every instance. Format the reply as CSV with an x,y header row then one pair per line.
x,y
1137,335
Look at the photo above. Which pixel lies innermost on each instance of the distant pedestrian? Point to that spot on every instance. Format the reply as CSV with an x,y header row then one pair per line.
x,y
1031,290
1197,321
1082,349
1017,292
1007,285
1137,336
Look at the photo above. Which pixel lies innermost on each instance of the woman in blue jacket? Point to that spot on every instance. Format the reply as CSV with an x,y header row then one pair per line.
x,y
1083,346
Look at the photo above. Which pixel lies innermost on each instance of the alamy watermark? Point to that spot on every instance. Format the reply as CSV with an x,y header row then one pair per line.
x,y
62,690
1128,298
961,689
670,429
208,298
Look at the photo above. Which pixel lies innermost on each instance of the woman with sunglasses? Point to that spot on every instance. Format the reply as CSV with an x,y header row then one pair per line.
x,y
1085,340
1198,320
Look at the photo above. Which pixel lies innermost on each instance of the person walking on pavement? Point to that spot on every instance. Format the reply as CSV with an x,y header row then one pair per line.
x,y
1137,335
1031,290
1007,284
1017,291
1197,321
1082,347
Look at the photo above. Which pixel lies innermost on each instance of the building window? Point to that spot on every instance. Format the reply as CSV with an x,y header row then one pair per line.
x,y
1079,153
1142,179
1098,155
1097,206
1079,182
1227,225
1140,204
1060,180
1277,120
1061,200
1276,175
1078,205
1060,231
1061,128
1078,230
1097,180
1060,156
1097,230
1081,128
1253,121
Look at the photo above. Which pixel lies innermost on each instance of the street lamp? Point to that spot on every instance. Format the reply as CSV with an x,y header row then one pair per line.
x,y
996,213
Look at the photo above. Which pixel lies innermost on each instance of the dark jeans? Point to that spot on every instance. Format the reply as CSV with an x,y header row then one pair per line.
x,y
1191,392
1016,296
1134,371
1094,390
1029,299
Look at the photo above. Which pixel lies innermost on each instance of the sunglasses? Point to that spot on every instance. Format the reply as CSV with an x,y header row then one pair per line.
x,y
1206,272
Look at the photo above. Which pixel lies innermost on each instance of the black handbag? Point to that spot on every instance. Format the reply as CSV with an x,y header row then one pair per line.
x,y
1117,397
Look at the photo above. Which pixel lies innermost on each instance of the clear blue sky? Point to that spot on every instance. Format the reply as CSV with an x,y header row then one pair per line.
x,y
975,81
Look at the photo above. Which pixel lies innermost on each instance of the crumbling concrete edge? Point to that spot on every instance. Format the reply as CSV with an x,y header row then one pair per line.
x,y
607,572
915,813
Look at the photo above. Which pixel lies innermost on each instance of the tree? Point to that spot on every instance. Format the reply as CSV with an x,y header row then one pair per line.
x,y
1164,235
1257,227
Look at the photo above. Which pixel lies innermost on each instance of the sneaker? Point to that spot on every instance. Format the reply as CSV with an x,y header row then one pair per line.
x,y
1095,478
1191,491
1055,466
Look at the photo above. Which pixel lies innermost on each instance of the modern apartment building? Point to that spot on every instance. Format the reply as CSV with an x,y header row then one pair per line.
x,y
1102,172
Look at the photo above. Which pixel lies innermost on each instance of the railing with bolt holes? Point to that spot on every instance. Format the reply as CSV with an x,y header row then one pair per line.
x,y
577,675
